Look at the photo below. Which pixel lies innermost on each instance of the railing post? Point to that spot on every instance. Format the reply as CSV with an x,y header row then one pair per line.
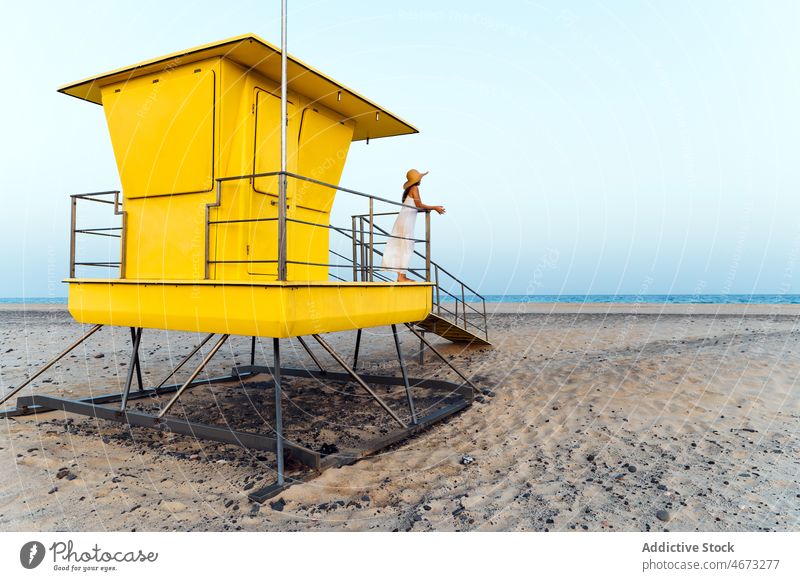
x,y
282,174
72,237
464,305
428,246
208,235
485,323
363,250
282,225
355,252
371,248
123,236
123,245
438,297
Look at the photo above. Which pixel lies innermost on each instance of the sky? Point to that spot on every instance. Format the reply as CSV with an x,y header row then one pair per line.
x,y
581,147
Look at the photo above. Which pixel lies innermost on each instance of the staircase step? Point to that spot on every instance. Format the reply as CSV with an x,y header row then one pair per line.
x,y
450,331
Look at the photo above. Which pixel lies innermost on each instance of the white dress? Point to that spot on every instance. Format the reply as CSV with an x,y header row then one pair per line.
x,y
398,251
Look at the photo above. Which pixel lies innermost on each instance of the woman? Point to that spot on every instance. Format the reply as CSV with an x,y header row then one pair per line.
x,y
400,246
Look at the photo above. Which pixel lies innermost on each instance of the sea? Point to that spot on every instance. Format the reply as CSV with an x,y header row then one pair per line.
x,y
677,299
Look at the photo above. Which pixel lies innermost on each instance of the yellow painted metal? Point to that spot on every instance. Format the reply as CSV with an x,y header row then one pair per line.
x,y
258,55
162,131
268,310
181,122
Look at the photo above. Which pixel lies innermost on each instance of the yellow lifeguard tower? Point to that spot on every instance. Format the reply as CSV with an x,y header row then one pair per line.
x,y
226,227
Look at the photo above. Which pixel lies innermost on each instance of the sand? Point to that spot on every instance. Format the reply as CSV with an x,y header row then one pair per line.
x,y
598,417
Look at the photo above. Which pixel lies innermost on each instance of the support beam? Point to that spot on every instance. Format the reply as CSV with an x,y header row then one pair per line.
x,y
253,351
442,357
174,425
276,375
358,346
311,354
49,364
405,376
136,338
135,360
192,377
358,379
351,456
442,387
183,362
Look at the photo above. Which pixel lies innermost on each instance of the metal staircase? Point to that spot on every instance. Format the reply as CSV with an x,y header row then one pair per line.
x,y
458,313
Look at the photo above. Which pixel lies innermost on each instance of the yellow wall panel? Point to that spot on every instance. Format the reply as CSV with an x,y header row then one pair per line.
x,y
162,131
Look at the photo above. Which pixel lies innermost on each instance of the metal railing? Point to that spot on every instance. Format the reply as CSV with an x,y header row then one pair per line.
x,y
99,198
459,314
360,273
364,235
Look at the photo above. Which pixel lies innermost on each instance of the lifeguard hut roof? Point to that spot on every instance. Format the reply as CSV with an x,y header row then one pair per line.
x,y
371,121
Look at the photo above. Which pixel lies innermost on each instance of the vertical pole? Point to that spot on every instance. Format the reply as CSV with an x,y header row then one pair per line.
x,y
123,235
405,376
485,324
363,251
282,176
72,237
253,351
371,247
137,336
208,233
438,297
358,346
135,359
428,246
123,245
355,252
464,305
276,375
422,350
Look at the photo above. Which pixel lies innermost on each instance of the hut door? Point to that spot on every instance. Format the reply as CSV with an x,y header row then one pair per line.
x,y
262,245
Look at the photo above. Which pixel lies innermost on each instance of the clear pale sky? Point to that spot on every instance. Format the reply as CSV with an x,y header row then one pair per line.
x,y
580,147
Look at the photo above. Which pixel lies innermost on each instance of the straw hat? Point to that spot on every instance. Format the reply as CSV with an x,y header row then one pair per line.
x,y
412,177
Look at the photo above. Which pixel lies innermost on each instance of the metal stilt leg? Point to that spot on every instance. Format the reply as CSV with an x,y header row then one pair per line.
x,y
192,377
358,346
183,362
136,339
442,357
276,375
422,350
311,354
135,359
358,379
49,364
253,351
405,376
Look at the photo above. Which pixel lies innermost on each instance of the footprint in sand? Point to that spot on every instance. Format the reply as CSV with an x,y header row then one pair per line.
x,y
173,506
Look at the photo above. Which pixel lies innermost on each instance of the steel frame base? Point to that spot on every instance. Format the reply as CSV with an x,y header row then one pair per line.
x,y
25,407
352,455
92,407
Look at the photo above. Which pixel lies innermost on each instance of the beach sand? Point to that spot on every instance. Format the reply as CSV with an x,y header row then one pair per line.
x,y
598,417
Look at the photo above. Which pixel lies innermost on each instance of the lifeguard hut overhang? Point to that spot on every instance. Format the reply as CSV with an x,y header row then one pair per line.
x,y
262,57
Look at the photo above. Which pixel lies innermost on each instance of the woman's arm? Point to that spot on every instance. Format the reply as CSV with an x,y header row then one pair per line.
x,y
414,193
